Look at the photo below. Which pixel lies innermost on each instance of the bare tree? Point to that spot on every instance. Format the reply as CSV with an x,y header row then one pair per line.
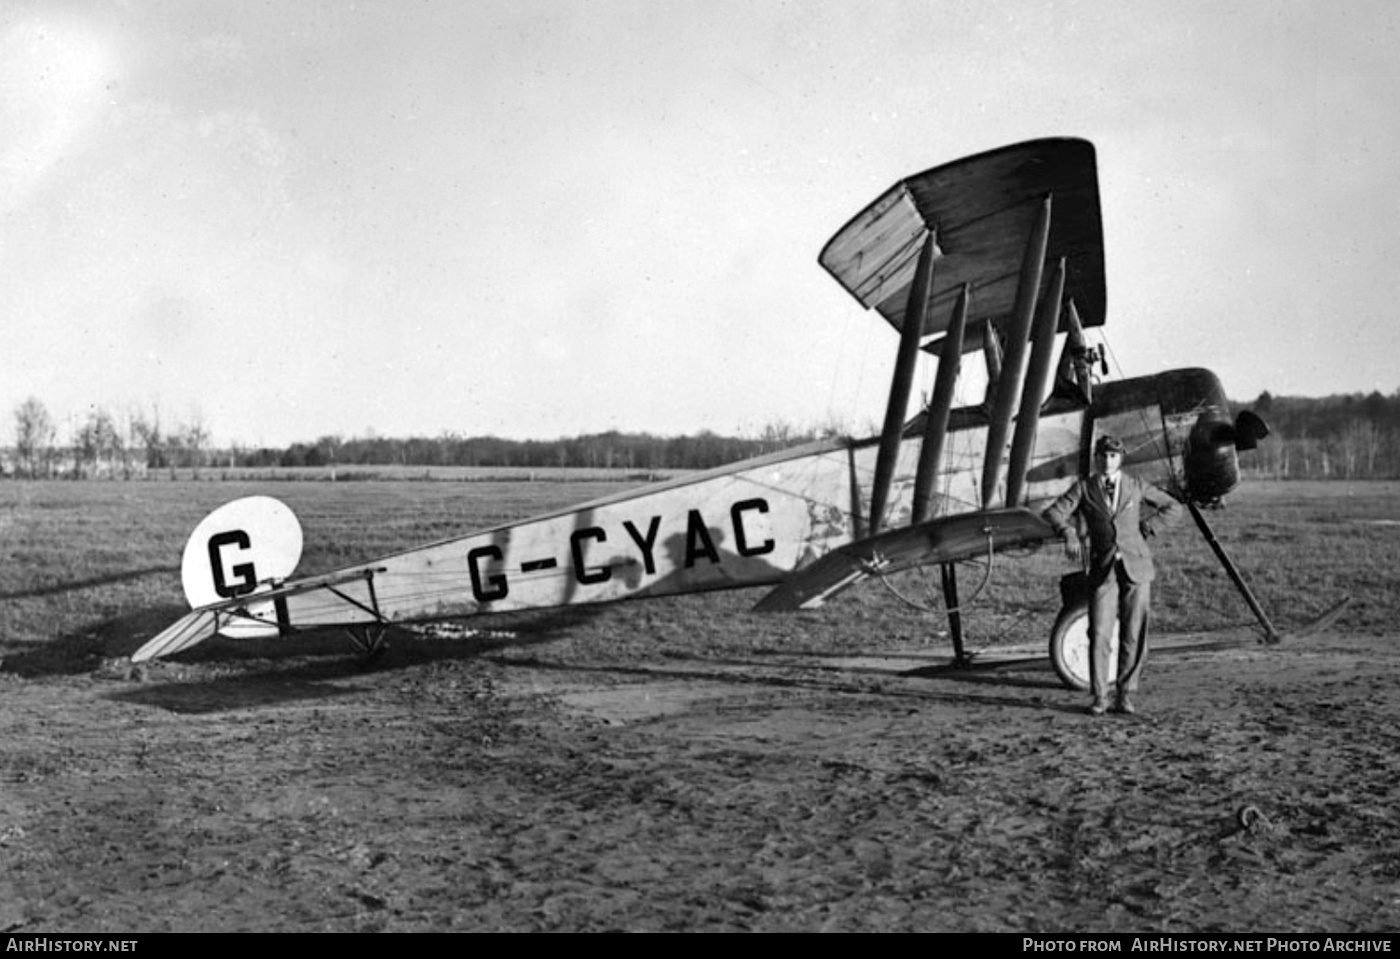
x,y
329,447
99,444
777,435
193,437
34,437
146,430
1360,445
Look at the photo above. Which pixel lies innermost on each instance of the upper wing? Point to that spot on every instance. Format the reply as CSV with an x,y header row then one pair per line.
x,y
980,211
944,540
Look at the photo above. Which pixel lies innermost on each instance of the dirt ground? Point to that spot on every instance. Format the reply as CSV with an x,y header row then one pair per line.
x,y
505,784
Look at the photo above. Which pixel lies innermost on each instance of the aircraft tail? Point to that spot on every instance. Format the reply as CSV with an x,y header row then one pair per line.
x,y
190,629
231,559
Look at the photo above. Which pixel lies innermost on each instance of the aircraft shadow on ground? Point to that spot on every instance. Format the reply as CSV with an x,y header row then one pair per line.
x,y
224,675
992,672
319,664
723,672
55,589
84,650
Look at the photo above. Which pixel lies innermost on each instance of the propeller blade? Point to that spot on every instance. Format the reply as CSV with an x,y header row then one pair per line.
x,y
1250,428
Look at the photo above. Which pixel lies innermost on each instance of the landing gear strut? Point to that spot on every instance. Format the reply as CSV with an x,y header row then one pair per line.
x,y
949,574
369,641
1271,635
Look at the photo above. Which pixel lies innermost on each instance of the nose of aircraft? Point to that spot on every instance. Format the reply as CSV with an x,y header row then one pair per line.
x,y
1212,466
1211,463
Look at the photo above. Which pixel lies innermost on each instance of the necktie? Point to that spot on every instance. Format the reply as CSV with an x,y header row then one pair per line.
x,y
1108,488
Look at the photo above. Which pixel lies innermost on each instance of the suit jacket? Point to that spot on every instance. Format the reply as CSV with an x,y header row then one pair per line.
x,y
1115,533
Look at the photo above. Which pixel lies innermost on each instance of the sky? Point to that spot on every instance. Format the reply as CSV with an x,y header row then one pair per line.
x,y
542,218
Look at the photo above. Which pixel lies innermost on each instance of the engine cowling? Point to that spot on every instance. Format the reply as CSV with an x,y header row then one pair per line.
x,y
1211,461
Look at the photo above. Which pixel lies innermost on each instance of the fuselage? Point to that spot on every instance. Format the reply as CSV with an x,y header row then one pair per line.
x,y
753,523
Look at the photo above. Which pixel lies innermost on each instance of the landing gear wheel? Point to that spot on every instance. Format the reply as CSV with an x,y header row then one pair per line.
x,y
369,642
1069,647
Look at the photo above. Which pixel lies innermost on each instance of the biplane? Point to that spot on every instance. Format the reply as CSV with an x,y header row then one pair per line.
x,y
998,255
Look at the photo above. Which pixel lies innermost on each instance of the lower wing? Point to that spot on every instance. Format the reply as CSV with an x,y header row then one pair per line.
x,y
944,540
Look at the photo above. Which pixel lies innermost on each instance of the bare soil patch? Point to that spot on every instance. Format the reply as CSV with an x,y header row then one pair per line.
x,y
538,783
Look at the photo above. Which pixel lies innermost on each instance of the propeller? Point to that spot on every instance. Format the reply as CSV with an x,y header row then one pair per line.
x,y
1212,468
1250,428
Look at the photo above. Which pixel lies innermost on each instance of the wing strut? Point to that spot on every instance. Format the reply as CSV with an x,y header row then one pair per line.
x,y
1028,418
936,424
909,336
949,574
991,356
1013,371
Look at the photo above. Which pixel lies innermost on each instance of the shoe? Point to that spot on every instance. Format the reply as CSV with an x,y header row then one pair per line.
x,y
1099,708
1125,706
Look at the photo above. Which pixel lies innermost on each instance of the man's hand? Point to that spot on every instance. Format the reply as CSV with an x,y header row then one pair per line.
x,y
1073,550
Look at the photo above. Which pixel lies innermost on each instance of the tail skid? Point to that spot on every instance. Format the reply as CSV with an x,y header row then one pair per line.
x,y
1318,624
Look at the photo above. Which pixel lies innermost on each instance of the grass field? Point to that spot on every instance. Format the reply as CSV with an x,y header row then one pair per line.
x,y
684,764
90,569
389,473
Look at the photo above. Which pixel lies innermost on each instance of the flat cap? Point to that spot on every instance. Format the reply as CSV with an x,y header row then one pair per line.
x,y
1108,444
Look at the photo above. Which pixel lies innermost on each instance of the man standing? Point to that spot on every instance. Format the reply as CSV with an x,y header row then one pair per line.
x,y
1109,506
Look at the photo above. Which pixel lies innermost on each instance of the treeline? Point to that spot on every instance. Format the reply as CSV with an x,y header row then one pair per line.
x,y
137,445
1348,436
611,450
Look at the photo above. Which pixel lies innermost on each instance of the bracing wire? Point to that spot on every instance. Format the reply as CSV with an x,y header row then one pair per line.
x,y
832,414
882,576
1176,467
